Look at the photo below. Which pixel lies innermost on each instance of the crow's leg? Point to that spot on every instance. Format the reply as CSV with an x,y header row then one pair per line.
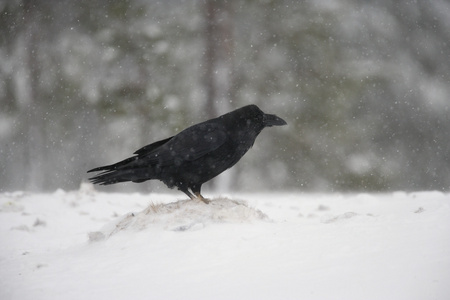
x,y
200,197
196,190
186,191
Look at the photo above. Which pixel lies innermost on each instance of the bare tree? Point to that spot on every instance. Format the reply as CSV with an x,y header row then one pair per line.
x,y
218,65
218,57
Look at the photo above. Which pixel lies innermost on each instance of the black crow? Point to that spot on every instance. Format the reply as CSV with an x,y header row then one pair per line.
x,y
195,155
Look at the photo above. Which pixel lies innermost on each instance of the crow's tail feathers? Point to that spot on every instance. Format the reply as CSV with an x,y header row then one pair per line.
x,y
116,176
122,171
121,164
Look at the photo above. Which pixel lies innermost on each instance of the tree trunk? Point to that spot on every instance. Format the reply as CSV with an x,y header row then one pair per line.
x,y
219,69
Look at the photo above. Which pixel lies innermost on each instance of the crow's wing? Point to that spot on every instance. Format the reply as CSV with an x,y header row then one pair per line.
x,y
149,148
188,145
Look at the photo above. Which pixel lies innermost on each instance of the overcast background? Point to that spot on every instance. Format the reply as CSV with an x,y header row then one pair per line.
x,y
363,85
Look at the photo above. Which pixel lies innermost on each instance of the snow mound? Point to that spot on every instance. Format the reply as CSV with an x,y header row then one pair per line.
x,y
182,215
341,217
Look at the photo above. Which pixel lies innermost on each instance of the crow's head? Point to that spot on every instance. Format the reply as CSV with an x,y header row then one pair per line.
x,y
255,117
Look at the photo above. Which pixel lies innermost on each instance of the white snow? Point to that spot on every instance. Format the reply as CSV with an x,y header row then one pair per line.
x,y
90,245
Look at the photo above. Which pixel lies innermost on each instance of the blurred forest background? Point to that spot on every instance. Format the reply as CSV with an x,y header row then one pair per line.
x,y
363,85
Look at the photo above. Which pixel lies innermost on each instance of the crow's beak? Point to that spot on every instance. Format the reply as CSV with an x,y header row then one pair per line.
x,y
272,120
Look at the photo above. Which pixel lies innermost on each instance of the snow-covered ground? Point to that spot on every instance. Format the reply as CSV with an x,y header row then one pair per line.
x,y
90,245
